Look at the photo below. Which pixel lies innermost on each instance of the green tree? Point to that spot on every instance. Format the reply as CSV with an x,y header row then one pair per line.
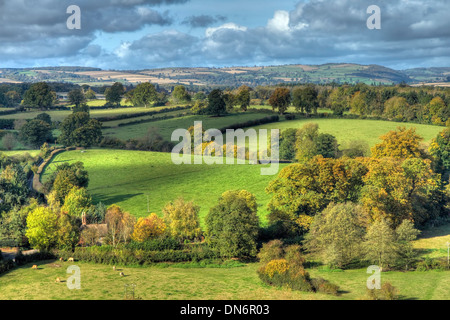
x,y
76,97
145,95
90,94
305,99
35,133
180,95
440,150
115,93
405,233
380,244
181,218
287,144
336,233
44,117
280,100
79,130
232,225
327,145
216,103
68,232
39,96
77,201
42,228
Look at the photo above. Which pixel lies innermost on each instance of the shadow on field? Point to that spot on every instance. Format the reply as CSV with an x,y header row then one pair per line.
x,y
115,199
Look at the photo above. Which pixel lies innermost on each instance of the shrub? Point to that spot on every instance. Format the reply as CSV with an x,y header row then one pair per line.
x,y
271,250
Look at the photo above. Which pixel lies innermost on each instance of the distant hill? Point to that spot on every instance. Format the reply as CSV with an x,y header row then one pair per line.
x,y
231,76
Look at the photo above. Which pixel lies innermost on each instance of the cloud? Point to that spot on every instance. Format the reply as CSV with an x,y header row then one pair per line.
x,y
202,21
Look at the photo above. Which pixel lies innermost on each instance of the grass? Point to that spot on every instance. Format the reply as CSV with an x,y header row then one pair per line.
x,y
100,282
126,178
167,127
433,242
355,129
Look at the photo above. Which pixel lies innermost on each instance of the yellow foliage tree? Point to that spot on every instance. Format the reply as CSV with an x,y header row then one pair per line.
x,y
148,228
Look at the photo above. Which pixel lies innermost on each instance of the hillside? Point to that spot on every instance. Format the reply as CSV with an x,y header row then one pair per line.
x,y
232,76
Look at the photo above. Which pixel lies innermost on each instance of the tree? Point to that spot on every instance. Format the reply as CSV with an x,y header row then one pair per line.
x,y
327,145
396,109
287,144
405,233
90,95
148,228
35,133
280,100
44,117
216,103
64,178
114,94
13,98
232,225
380,244
243,97
338,101
306,142
336,233
302,190
76,202
9,141
144,94
182,220
68,233
180,95
440,150
14,223
76,97
305,99
39,96
120,225
42,228
79,130
400,144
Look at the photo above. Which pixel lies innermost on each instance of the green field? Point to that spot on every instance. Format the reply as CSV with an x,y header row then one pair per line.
x,y
167,127
100,282
355,129
126,178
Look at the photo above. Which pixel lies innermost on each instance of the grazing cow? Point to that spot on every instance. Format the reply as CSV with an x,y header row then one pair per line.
x,y
61,259
122,274
34,267
71,260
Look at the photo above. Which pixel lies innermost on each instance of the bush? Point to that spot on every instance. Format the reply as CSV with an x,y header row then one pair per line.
x,y
271,250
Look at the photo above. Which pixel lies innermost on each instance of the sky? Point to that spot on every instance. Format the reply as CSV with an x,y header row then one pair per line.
x,y
145,34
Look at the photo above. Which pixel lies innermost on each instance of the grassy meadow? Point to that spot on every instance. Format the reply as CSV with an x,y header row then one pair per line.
x,y
126,178
165,282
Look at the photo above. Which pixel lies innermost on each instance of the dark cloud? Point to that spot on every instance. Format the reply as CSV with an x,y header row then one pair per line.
x,y
203,21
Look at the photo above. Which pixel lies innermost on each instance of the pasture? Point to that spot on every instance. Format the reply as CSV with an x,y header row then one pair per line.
x,y
165,282
126,178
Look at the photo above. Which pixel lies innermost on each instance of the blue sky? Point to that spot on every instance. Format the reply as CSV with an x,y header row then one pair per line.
x,y
140,34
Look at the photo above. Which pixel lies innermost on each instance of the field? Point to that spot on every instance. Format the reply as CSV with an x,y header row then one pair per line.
x,y
127,177
350,129
100,282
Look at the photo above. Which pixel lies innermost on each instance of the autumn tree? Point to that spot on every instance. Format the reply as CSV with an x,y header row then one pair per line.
x,y
440,150
120,225
243,97
280,99
302,190
148,228
400,144
182,219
